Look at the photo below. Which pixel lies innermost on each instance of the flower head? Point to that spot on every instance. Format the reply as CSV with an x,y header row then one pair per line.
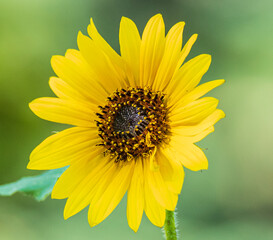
x,y
135,117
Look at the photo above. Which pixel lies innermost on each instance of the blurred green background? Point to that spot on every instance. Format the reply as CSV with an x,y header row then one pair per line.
x,y
232,200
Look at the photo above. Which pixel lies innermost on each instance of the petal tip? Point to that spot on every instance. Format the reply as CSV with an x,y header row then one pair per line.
x,y
52,59
51,81
30,166
92,223
223,115
65,217
207,57
80,35
205,166
55,60
194,37
157,17
54,194
181,24
123,18
66,214
124,21
134,228
32,105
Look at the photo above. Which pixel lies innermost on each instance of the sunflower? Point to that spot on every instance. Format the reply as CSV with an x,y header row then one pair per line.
x,y
135,118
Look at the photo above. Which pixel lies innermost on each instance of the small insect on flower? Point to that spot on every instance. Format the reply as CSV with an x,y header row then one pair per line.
x,y
135,117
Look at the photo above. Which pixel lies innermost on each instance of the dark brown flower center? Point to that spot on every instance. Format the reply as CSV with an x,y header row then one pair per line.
x,y
132,123
128,119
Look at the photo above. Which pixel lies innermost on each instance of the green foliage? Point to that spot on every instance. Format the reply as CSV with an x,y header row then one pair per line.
x,y
39,186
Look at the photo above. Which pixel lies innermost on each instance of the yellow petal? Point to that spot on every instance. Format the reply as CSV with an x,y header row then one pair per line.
x,y
191,138
187,77
102,67
171,170
75,174
200,127
129,40
77,77
194,112
153,161
199,92
190,156
99,91
88,187
186,50
170,58
102,44
105,202
135,197
151,49
63,148
115,59
161,193
64,111
63,90
154,211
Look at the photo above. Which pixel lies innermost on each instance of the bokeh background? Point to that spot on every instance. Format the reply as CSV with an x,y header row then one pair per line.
x,y
231,200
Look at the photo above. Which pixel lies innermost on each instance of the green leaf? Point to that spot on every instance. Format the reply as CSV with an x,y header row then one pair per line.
x,y
39,186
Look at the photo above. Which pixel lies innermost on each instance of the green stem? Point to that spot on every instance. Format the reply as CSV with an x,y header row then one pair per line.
x,y
170,226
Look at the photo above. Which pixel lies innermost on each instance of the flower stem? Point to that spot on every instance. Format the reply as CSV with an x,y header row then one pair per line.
x,y
170,226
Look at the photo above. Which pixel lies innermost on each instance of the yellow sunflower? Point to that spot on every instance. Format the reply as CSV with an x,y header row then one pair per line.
x,y
135,117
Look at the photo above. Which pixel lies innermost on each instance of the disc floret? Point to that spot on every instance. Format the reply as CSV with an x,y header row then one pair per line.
x,y
132,123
